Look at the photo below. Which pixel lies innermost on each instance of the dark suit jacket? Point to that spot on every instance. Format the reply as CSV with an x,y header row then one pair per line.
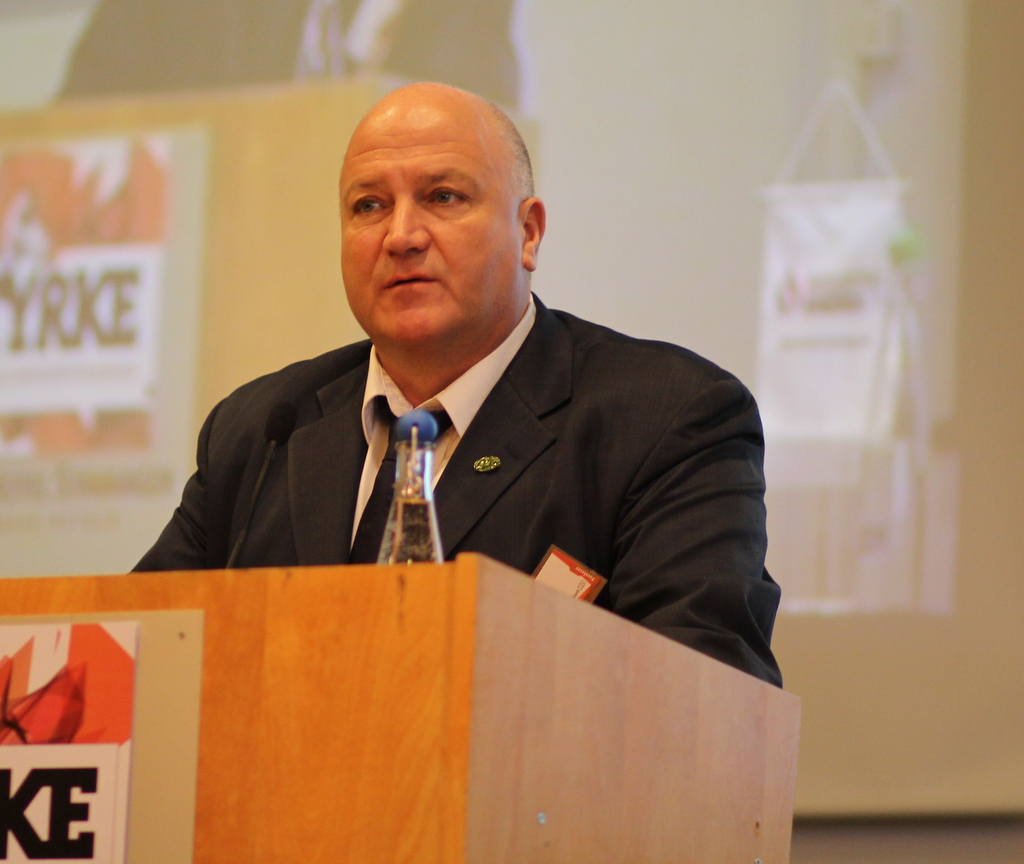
x,y
640,459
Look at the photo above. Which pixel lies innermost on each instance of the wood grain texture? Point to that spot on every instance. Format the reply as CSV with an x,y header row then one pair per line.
x,y
633,747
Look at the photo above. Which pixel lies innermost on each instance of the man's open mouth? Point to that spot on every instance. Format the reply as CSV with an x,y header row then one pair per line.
x,y
409,280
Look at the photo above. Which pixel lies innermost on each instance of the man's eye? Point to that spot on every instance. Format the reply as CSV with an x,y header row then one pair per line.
x,y
366,205
445,196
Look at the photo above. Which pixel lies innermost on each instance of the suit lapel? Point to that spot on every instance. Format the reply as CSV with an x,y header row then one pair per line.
x,y
325,458
505,428
325,462
508,425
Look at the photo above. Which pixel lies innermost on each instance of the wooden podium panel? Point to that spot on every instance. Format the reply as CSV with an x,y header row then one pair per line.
x,y
635,748
456,712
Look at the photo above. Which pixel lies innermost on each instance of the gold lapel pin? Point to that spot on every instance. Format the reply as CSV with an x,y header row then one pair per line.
x,y
486,463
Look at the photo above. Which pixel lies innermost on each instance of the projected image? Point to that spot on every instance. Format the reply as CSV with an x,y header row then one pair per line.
x,y
133,47
772,185
82,232
97,302
863,508
783,198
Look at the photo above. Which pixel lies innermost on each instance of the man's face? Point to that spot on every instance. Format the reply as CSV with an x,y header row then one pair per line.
x,y
435,245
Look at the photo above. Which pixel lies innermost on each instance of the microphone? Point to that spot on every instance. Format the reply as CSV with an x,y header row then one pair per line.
x,y
280,423
277,431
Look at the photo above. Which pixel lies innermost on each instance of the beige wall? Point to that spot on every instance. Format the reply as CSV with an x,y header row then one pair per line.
x,y
991,376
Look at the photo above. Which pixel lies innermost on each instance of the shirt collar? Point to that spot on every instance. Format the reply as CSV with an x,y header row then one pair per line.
x,y
463,397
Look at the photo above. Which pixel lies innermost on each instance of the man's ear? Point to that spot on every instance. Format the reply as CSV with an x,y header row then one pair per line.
x,y
532,219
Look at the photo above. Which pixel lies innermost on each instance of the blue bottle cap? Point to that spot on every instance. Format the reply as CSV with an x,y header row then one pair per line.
x,y
423,421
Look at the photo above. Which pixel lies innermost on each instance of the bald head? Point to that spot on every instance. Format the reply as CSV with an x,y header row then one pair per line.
x,y
425,97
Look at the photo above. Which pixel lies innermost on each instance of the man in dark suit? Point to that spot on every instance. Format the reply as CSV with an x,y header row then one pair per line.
x,y
640,459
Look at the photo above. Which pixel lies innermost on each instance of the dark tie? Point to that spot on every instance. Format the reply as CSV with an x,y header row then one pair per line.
x,y
370,532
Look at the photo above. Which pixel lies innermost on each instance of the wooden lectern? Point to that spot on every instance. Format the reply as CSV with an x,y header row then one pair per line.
x,y
456,713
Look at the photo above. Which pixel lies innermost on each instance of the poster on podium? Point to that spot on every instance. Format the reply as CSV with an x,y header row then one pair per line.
x,y
67,699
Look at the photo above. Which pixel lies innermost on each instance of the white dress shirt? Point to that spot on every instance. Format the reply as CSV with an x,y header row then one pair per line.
x,y
461,399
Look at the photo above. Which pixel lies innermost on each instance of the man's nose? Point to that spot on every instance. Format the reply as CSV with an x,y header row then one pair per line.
x,y
406,230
